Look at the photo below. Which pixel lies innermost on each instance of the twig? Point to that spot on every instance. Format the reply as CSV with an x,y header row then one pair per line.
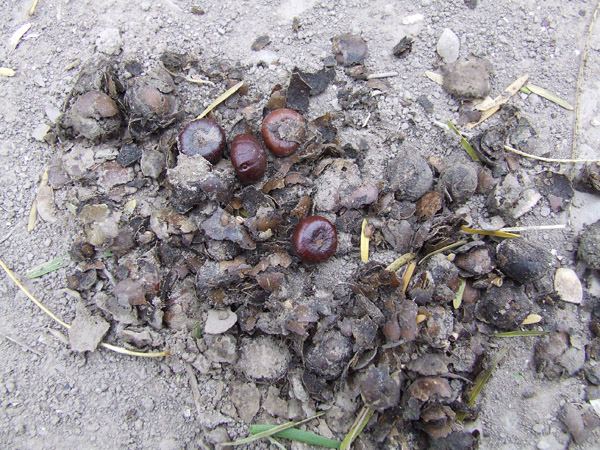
x,y
194,387
374,76
550,160
9,234
20,343
114,348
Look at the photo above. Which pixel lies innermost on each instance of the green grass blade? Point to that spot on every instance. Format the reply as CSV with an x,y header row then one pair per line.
x,y
294,434
468,148
519,333
483,377
360,422
525,90
459,294
549,96
276,443
271,432
49,266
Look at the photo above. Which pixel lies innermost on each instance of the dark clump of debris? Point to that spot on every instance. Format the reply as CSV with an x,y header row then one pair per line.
x,y
174,242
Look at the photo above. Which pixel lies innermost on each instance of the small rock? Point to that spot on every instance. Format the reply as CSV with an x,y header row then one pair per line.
x,y
573,418
223,226
422,391
109,41
275,405
448,46
379,389
523,261
130,293
403,48
246,398
129,154
550,442
409,175
349,49
113,174
459,181
468,79
430,364
547,351
264,358
260,43
86,331
153,163
589,245
567,285
477,262
94,115
141,338
40,132
53,113
219,321
108,303
328,357
504,307
222,348
592,372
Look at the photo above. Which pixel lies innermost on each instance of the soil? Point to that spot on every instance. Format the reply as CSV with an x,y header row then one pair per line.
x,y
53,397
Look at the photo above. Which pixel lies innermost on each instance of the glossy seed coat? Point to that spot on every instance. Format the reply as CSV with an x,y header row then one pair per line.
x,y
282,131
249,158
314,239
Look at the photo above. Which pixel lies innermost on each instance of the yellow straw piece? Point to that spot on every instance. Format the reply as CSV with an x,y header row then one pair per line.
x,y
364,243
221,98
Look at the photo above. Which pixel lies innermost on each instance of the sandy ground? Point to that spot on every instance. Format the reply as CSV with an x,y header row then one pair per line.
x,y
52,397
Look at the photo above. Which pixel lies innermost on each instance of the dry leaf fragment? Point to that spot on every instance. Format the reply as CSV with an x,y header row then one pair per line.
x,y
6,72
531,319
45,200
32,217
16,37
511,90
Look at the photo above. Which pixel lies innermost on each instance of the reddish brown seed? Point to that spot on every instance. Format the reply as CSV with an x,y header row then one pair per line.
x,y
202,137
282,131
314,239
249,158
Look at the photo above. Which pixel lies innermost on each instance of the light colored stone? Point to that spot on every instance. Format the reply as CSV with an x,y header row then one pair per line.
x,y
567,285
109,41
219,321
448,46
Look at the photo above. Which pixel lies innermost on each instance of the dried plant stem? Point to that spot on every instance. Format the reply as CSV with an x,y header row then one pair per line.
x,y
534,228
20,343
550,160
39,304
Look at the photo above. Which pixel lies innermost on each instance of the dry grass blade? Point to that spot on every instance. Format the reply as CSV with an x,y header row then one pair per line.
x,y
15,38
294,434
270,432
364,243
220,99
32,217
459,294
435,77
550,160
505,96
399,262
20,343
49,266
407,276
483,377
519,333
468,148
39,304
443,249
6,72
31,11
502,234
360,422
533,228
548,95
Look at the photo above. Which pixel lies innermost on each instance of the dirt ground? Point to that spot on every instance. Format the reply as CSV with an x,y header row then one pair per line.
x,y
52,397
